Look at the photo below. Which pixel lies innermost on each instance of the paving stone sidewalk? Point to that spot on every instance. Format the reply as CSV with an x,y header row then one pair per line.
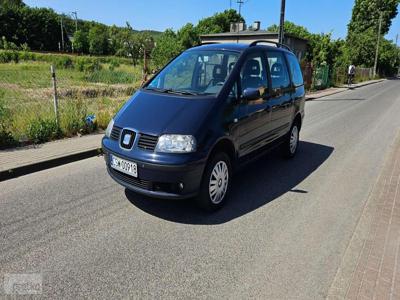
x,y
11,159
371,266
335,90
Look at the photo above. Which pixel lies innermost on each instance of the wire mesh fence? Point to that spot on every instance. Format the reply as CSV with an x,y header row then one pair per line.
x,y
323,77
86,100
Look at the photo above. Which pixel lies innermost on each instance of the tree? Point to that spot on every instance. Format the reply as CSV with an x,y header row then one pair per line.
x,y
128,44
321,49
146,43
363,33
366,14
37,27
11,3
167,46
389,59
219,22
98,40
293,29
188,36
80,42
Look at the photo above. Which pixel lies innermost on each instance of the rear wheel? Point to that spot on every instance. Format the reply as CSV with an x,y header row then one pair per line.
x,y
289,147
215,183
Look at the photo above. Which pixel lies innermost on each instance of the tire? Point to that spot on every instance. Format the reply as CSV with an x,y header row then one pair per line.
x,y
291,144
215,183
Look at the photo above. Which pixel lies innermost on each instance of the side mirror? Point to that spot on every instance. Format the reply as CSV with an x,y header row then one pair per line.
x,y
250,94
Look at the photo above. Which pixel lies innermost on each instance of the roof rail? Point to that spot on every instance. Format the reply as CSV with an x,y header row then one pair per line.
x,y
278,45
208,43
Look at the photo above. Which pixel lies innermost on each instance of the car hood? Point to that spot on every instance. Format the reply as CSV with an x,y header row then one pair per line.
x,y
156,113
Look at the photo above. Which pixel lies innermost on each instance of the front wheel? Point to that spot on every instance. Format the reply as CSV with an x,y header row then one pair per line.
x,y
289,147
215,182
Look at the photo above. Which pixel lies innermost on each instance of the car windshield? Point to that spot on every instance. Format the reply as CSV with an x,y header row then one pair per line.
x,y
195,72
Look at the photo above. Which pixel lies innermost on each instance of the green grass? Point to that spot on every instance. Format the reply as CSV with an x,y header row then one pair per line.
x,y
26,93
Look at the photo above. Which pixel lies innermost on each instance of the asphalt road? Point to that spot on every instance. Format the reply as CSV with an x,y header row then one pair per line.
x,y
282,235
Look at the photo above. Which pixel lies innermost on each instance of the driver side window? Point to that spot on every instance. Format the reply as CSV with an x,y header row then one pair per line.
x,y
253,73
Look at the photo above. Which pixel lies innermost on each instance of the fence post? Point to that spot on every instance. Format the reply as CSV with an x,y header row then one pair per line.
x,y
53,77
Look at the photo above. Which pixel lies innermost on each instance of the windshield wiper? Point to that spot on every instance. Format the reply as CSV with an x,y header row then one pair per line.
x,y
171,91
183,92
157,89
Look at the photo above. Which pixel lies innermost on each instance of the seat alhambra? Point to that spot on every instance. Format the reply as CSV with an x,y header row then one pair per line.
x,y
183,133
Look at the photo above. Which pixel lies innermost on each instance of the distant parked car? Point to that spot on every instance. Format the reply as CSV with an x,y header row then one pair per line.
x,y
210,109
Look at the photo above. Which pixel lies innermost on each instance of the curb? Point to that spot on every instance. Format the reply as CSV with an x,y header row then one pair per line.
x,y
47,164
345,89
333,93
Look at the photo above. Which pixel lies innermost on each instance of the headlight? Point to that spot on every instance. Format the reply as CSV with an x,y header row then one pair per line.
x,y
109,128
176,143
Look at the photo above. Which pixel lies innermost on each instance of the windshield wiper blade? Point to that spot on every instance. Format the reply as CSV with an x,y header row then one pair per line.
x,y
183,92
171,91
157,89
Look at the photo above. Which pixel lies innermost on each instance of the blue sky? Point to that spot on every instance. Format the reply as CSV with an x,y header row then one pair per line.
x,y
316,15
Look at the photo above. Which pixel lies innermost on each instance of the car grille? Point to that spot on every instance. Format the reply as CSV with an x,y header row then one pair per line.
x,y
144,184
126,133
115,133
148,142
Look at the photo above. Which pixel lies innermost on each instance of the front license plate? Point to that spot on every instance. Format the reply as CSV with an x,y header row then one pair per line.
x,y
123,166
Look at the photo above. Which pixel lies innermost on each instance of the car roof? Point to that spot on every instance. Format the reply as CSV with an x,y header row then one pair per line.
x,y
238,47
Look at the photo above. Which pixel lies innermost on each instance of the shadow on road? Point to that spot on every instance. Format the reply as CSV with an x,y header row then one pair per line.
x,y
255,185
340,99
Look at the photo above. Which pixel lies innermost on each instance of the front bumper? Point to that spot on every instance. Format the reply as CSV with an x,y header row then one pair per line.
x,y
158,180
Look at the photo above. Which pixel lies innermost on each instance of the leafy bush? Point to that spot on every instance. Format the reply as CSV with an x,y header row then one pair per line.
x,y
63,62
85,64
27,56
113,64
6,45
73,115
103,118
7,56
6,138
42,130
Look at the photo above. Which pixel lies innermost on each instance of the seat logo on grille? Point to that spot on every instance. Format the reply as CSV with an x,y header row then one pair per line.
x,y
127,139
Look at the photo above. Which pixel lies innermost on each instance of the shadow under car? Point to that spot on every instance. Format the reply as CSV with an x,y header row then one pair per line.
x,y
255,185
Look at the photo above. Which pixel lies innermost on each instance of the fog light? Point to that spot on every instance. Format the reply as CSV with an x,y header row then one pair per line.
x,y
181,186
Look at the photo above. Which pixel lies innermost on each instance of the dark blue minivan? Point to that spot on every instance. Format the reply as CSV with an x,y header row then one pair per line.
x,y
207,111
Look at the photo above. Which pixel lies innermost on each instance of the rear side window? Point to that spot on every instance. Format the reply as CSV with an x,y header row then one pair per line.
x,y
278,69
295,70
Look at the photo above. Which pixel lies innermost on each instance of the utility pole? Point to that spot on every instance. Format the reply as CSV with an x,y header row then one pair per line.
x,y
62,32
75,14
282,23
240,2
377,44
397,38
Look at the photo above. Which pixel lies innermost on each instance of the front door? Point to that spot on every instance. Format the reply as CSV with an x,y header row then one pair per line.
x,y
254,116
